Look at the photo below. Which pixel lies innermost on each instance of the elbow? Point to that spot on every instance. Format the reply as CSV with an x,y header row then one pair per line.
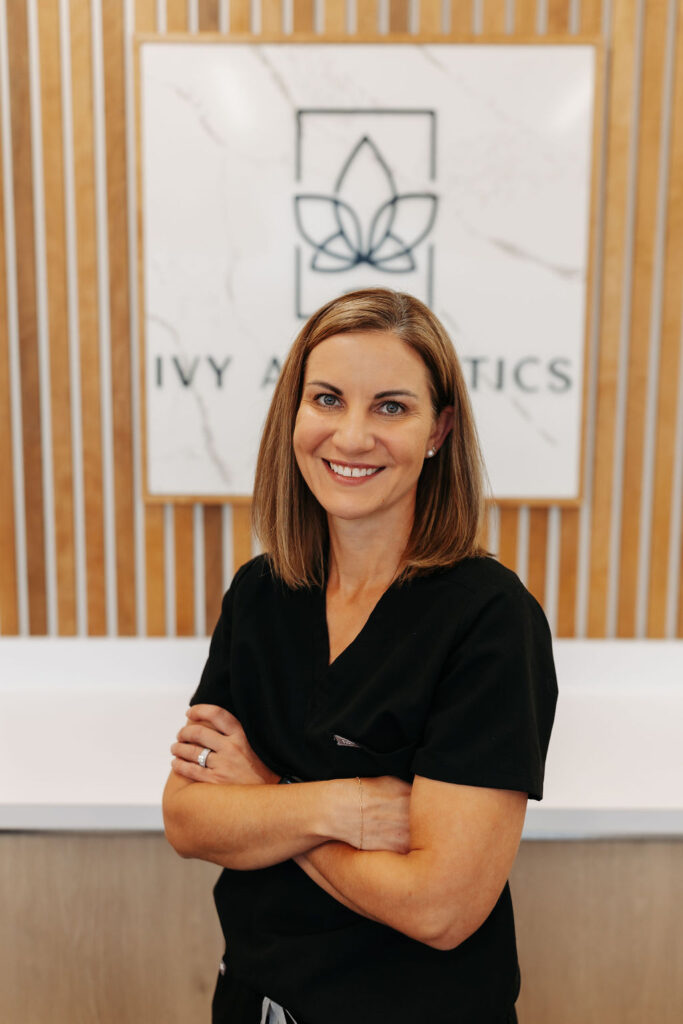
x,y
444,927
175,831
175,839
446,940
426,924
440,938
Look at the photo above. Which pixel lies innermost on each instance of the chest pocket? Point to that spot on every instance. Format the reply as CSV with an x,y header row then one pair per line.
x,y
355,758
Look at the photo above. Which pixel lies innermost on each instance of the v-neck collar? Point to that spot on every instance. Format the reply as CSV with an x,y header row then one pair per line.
x,y
376,616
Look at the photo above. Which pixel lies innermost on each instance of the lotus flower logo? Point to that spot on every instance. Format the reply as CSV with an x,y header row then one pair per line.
x,y
365,220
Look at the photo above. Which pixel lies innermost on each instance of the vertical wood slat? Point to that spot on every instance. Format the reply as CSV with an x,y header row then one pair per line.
x,y
17,41
494,16
114,41
494,22
591,16
176,16
88,310
240,16
334,21
213,524
558,17
367,17
526,13
9,598
507,541
430,16
184,569
241,535
213,564
304,15
618,144
462,16
399,12
669,370
208,15
183,519
60,385
145,19
484,538
649,130
557,24
570,523
568,572
271,16
155,569
538,544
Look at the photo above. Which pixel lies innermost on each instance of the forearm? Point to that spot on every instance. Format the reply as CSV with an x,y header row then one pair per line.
x,y
392,888
306,865
250,826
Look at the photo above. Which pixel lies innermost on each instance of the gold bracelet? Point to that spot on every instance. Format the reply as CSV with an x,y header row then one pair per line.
x,y
360,798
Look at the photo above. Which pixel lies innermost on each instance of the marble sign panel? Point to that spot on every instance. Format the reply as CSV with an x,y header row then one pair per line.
x,y
275,177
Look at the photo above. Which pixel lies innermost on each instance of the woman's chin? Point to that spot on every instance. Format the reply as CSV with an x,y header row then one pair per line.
x,y
348,507
353,508
347,510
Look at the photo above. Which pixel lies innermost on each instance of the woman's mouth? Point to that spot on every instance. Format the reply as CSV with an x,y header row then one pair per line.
x,y
356,474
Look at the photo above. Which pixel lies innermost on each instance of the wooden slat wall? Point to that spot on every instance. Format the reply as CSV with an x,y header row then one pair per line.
x,y
26,301
155,568
69,328
113,49
83,143
60,384
669,371
9,594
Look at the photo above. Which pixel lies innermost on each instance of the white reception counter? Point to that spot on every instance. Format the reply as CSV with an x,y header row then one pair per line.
x,y
87,724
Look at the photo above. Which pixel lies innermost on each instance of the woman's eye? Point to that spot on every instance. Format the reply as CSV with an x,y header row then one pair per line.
x,y
392,408
327,400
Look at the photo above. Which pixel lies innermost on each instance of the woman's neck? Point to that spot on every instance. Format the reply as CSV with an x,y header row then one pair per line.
x,y
364,556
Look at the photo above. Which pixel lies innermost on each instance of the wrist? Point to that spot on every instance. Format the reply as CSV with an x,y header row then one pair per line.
x,y
340,810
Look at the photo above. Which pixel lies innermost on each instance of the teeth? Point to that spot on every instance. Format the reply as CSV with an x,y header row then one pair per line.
x,y
352,470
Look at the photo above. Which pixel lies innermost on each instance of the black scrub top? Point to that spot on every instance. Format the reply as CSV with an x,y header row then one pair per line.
x,y
451,678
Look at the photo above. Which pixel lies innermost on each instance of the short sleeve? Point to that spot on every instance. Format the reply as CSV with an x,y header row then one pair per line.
x,y
493,708
214,685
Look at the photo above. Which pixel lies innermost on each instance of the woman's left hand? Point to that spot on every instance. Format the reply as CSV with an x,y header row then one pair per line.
x,y
231,759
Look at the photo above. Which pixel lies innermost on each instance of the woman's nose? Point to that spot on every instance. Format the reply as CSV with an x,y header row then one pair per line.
x,y
353,433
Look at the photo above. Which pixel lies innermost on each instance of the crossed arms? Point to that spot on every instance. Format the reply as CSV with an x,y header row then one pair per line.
x,y
435,856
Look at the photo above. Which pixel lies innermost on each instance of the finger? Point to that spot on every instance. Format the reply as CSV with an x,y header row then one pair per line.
x,y
188,752
216,716
202,735
188,770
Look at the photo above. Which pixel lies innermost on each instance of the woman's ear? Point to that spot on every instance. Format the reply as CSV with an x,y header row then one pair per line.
x,y
442,428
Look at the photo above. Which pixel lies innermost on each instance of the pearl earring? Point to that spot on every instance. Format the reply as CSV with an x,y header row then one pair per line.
x,y
431,452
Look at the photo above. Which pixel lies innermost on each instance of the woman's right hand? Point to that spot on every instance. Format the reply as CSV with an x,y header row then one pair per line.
x,y
385,814
231,759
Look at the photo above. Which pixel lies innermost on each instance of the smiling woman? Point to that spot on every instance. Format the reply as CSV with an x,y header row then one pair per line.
x,y
377,656
360,435
372,372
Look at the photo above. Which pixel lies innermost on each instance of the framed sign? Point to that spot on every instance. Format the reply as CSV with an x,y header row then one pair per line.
x,y
275,176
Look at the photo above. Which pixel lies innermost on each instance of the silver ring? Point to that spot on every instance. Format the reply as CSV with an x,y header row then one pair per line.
x,y
201,758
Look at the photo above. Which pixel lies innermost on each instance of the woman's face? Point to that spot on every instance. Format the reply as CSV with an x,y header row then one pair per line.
x,y
365,424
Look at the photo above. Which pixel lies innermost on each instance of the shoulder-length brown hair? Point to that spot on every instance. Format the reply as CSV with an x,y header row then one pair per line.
x,y
290,522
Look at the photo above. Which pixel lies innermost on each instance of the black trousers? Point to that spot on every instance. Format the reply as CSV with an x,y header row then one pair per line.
x,y
236,1003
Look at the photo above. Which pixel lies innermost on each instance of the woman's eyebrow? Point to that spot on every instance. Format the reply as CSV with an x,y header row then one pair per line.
x,y
323,384
396,391
380,394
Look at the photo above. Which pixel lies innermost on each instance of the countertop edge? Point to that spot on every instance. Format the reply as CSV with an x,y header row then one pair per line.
x,y
550,823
